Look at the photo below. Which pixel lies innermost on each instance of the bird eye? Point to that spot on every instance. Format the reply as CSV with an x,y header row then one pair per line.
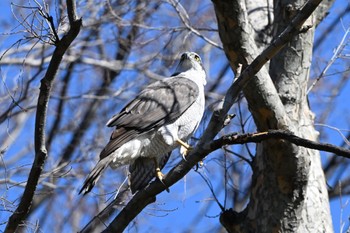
x,y
197,58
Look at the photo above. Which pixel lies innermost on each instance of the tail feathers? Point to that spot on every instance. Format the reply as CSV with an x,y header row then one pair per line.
x,y
143,170
95,175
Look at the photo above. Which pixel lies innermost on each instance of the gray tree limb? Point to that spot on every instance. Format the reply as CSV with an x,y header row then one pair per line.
x,y
40,123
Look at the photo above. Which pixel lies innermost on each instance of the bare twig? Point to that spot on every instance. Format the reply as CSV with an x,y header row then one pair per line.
x,y
40,123
185,20
278,134
336,55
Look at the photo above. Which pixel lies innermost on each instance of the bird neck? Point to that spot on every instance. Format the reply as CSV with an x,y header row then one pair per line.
x,y
199,77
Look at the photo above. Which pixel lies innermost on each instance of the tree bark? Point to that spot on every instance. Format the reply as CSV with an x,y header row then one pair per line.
x,y
290,71
285,176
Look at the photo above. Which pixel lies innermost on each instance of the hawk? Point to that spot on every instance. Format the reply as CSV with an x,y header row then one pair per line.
x,y
161,117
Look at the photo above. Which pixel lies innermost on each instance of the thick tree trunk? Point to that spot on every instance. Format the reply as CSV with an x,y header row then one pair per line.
x,y
288,186
290,72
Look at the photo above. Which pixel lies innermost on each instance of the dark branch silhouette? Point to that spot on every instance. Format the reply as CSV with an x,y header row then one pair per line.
x,y
40,123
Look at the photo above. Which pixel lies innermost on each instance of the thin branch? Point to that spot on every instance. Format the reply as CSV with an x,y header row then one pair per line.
x,y
119,200
336,55
23,208
185,20
121,57
332,25
211,188
278,134
239,156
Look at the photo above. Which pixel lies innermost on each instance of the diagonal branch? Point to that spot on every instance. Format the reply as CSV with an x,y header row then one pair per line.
x,y
180,10
148,195
40,122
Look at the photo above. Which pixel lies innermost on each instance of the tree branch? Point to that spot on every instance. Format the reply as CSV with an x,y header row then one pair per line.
x,y
22,210
278,134
148,195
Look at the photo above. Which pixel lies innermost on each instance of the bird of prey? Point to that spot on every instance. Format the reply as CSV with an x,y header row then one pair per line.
x,y
161,117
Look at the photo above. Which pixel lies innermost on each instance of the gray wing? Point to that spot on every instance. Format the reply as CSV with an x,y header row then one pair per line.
x,y
142,171
157,105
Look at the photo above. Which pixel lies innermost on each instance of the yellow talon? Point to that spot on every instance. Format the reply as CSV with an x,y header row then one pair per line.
x,y
185,148
182,143
160,175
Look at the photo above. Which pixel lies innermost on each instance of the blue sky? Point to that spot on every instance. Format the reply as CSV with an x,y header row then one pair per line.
x,y
191,195
340,207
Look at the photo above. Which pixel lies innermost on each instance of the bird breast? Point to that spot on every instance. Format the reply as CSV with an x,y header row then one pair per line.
x,y
189,121
163,140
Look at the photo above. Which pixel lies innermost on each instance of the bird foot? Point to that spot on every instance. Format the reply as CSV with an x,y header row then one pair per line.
x,y
184,149
160,177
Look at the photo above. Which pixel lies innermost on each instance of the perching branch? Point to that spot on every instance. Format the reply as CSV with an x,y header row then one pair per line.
x,y
22,210
148,195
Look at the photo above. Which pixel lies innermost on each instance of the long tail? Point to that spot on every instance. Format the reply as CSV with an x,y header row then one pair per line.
x,y
95,175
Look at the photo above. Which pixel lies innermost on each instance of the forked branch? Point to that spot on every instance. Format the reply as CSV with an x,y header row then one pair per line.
x,y
62,46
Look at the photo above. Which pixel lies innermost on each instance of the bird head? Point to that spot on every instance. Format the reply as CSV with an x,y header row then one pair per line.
x,y
191,62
